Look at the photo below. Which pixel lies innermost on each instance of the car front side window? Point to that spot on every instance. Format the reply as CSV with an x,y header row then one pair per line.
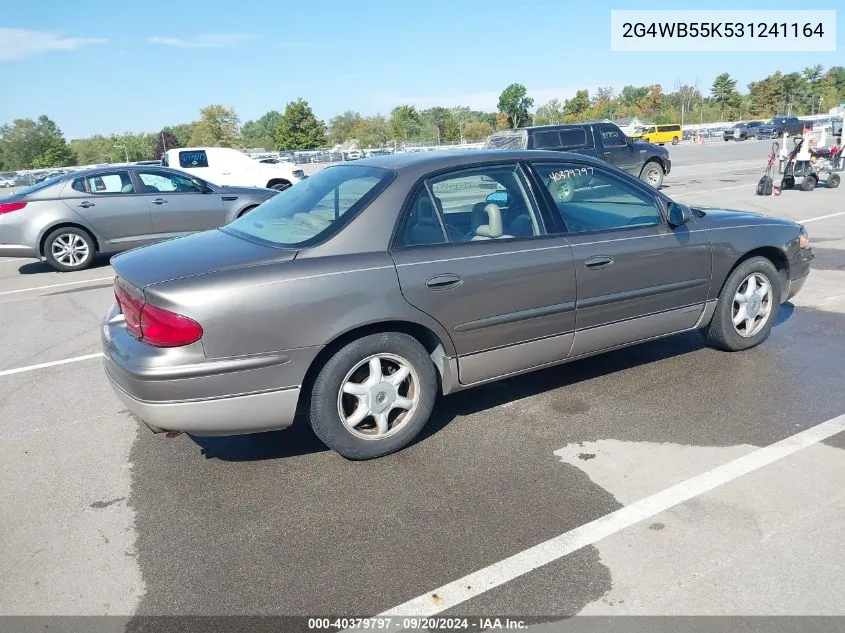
x,y
159,182
589,198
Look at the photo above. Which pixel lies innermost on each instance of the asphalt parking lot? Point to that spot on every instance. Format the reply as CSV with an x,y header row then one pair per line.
x,y
642,482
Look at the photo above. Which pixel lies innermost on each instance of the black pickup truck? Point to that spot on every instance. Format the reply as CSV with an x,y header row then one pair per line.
x,y
600,139
793,126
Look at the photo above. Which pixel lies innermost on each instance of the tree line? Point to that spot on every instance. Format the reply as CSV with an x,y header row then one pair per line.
x,y
40,143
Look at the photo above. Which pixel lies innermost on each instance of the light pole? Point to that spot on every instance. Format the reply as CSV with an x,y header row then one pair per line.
x,y
125,150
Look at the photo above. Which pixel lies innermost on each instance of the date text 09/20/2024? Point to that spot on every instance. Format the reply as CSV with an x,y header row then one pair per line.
x,y
722,29
415,623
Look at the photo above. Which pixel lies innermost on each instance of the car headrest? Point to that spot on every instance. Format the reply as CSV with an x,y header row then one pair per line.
x,y
478,216
493,228
425,211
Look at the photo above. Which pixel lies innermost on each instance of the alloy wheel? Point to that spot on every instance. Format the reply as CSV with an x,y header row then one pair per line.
x,y
378,396
752,305
69,249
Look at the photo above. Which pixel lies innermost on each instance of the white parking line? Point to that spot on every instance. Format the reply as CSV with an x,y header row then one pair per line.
x,y
67,283
688,193
12,259
459,591
822,217
53,363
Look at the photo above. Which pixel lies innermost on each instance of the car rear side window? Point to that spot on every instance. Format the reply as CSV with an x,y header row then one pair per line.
x,y
472,205
315,208
105,183
546,140
193,159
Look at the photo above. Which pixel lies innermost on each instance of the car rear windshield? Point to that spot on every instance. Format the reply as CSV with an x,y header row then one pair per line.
x,y
38,186
510,139
315,208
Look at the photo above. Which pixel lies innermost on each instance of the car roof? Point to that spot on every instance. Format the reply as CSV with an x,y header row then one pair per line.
x,y
126,167
434,160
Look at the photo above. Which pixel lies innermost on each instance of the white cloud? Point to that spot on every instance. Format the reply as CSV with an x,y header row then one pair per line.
x,y
209,40
20,43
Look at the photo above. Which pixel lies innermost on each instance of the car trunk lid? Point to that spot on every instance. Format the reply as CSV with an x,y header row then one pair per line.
x,y
195,254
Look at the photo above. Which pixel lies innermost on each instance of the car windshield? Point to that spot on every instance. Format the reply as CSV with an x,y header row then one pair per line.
x,y
315,208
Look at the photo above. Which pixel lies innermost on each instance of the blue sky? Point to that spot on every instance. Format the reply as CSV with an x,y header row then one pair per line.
x,y
114,66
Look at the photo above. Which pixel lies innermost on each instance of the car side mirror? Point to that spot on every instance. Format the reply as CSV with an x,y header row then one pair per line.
x,y
679,214
499,198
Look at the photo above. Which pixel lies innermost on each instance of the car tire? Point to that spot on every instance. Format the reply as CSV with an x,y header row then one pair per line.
x,y
788,182
565,191
652,173
832,181
349,369
247,210
809,183
281,186
69,248
757,324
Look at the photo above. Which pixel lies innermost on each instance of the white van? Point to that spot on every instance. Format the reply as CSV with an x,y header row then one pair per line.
x,y
225,166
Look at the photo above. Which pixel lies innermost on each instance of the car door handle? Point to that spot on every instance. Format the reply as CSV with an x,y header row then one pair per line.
x,y
608,153
159,201
86,204
599,261
442,282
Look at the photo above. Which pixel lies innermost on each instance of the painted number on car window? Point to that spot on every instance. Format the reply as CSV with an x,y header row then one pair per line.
x,y
563,174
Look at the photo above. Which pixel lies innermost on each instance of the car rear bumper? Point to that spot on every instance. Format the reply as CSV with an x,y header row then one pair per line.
x,y
15,237
18,250
179,389
233,415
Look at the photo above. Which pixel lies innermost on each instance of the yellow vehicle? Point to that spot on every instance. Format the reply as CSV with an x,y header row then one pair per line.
x,y
661,134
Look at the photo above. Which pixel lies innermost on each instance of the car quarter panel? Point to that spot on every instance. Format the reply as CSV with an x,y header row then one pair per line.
x,y
276,307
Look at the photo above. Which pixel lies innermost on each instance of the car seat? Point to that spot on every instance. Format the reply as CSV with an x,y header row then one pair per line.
x,y
493,228
424,225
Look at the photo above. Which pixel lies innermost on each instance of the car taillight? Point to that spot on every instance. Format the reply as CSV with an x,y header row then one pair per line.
x,y
153,325
8,207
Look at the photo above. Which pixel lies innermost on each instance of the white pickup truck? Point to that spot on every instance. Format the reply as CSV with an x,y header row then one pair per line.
x,y
225,166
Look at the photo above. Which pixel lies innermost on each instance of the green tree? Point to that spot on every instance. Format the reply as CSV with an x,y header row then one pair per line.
x,y
261,133
28,144
183,132
724,92
575,109
515,103
299,129
629,96
405,123
165,140
477,131
437,119
550,112
372,132
55,152
218,127
341,126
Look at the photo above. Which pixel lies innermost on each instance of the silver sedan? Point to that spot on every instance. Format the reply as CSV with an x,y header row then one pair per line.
x,y
69,219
